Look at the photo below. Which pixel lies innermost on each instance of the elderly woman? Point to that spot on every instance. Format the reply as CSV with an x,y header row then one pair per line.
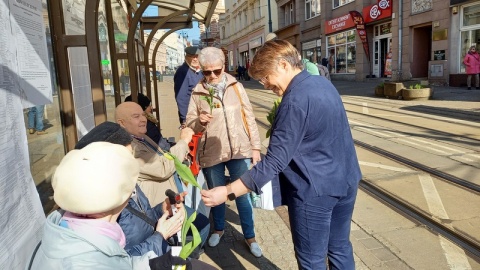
x,y
312,151
219,108
91,193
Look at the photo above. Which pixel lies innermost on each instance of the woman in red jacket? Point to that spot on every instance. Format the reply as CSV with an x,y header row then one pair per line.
x,y
472,66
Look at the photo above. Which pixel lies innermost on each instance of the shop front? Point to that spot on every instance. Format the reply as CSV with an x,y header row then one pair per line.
x,y
312,50
341,45
378,18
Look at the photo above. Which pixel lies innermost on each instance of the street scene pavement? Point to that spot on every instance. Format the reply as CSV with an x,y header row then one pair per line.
x,y
272,228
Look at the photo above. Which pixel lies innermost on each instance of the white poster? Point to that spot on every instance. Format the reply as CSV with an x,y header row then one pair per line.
x,y
28,34
24,79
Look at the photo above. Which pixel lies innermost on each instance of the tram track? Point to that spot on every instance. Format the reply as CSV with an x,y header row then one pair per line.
x,y
463,240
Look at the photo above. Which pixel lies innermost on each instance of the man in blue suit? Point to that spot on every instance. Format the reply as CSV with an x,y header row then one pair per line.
x,y
185,78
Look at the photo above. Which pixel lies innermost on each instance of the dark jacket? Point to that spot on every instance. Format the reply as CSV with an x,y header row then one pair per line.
x,y
140,236
138,233
311,145
184,80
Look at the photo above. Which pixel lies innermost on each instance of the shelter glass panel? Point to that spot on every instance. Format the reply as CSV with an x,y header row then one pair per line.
x,y
120,27
45,150
74,16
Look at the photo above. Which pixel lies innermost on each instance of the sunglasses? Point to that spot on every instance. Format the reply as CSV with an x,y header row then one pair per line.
x,y
217,72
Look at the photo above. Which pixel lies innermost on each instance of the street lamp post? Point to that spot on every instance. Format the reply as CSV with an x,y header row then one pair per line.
x,y
269,17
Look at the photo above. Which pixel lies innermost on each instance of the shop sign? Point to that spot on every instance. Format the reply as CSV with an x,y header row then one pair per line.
x,y
310,44
360,25
255,43
243,47
338,24
439,55
378,11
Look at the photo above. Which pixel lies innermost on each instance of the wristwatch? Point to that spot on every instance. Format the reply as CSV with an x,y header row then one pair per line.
x,y
230,195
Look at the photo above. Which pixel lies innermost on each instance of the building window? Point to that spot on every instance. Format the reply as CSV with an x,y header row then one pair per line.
x,y
469,31
337,3
259,9
223,32
240,25
245,19
471,16
312,8
341,52
289,14
312,51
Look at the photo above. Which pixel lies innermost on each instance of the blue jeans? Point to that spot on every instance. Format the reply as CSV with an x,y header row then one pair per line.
x,y
215,177
321,228
35,117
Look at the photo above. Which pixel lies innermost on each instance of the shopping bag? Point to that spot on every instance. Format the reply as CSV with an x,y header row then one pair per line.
x,y
264,200
194,198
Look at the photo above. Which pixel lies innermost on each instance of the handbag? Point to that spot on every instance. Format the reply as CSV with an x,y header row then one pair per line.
x,y
244,117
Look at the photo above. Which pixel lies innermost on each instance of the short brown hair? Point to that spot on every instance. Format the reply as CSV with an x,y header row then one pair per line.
x,y
268,55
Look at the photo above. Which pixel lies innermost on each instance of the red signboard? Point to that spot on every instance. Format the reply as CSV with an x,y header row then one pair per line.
x,y
381,10
339,24
360,25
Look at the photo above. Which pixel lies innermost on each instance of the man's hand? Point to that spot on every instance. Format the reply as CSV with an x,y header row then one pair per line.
x,y
214,196
169,227
205,118
186,134
256,157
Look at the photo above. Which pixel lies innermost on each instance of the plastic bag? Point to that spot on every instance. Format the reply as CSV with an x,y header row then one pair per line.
x,y
264,200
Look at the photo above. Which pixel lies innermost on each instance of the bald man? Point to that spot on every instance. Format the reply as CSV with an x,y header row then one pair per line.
x,y
156,171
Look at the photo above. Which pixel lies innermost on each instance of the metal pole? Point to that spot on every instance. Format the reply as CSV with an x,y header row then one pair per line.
x,y
400,39
270,17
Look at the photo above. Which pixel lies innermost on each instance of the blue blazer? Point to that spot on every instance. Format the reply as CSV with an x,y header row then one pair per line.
x,y
311,150
184,80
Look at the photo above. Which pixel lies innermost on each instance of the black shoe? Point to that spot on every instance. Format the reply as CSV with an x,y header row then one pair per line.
x,y
469,88
196,253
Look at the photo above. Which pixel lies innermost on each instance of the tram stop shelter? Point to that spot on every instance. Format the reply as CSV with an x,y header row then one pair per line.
x,y
110,32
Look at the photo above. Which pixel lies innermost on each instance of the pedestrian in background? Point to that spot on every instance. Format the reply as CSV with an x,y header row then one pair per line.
x,y
472,66
311,150
35,120
185,78
230,138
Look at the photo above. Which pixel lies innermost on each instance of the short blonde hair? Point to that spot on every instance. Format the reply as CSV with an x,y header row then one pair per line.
x,y
268,55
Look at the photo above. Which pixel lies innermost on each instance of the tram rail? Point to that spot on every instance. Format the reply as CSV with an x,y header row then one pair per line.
x,y
469,244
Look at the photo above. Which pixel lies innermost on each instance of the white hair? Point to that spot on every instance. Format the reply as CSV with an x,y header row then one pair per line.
x,y
211,56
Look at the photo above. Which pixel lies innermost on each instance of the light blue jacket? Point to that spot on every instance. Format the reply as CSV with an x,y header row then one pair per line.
x,y
62,248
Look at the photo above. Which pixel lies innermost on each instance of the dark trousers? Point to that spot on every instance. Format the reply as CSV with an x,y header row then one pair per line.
x,y
320,229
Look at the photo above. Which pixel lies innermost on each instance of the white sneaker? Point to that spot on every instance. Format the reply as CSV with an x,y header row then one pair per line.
x,y
255,249
214,239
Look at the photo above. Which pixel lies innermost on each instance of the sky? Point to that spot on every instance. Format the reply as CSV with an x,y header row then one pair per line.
x,y
193,33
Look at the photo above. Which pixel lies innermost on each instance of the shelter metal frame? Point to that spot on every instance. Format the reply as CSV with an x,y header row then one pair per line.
x,y
174,15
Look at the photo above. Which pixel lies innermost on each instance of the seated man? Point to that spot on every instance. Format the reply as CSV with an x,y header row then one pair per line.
x,y
149,229
156,171
91,193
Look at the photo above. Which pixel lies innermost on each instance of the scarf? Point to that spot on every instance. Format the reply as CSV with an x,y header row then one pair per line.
x,y
218,87
96,226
